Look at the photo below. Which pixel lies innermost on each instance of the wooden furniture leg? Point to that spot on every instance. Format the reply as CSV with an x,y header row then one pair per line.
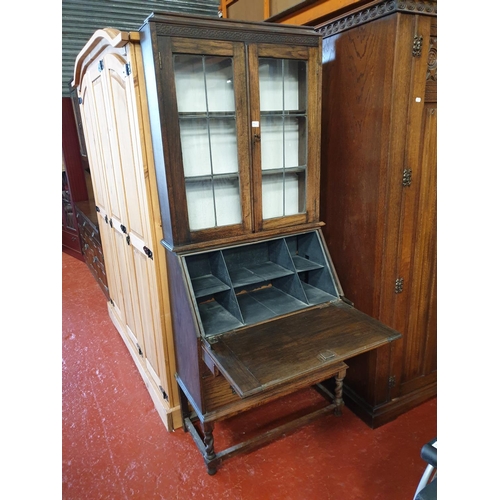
x,y
209,453
339,402
203,433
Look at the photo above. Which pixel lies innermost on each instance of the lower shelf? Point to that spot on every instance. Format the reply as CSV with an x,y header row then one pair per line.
x,y
201,426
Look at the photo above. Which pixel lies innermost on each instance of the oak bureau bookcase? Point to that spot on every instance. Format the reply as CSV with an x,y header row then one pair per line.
x,y
256,306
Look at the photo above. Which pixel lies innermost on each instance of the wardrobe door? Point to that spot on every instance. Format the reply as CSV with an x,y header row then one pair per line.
x,y
131,216
100,159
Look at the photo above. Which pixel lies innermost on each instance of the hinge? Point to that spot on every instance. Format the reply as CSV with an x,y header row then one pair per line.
x,y
128,69
80,100
111,222
148,252
398,288
407,177
139,349
417,46
392,381
123,228
106,220
128,239
100,66
97,209
162,390
112,303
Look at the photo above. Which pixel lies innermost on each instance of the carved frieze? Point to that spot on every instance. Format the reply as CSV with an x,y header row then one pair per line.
x,y
426,7
235,35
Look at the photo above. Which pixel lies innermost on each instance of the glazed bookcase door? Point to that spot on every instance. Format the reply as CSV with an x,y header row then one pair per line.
x,y
284,113
211,101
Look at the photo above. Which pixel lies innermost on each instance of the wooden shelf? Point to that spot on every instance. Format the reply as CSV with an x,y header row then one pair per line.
x,y
302,264
208,285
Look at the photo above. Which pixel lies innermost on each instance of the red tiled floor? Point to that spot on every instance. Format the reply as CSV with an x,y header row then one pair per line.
x,y
116,447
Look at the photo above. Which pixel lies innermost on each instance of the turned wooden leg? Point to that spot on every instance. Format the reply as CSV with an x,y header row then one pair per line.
x,y
208,440
339,402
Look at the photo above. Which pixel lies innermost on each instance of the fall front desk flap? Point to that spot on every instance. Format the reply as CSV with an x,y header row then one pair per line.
x,y
272,311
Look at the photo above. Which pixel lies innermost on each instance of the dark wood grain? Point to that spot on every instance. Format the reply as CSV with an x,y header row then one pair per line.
x,y
376,122
282,351
167,35
185,331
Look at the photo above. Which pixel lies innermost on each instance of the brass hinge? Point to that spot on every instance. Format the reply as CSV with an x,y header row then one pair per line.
x,y
162,390
407,177
417,45
392,381
398,288
148,252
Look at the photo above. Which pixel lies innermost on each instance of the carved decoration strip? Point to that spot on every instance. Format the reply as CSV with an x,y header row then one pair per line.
x,y
427,7
431,75
432,60
234,35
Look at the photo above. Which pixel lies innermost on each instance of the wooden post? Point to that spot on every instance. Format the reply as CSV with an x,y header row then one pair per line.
x,y
267,9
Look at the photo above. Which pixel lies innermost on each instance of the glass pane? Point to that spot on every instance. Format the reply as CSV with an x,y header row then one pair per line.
x,y
272,196
271,84
294,84
227,201
195,146
213,203
283,194
271,133
291,195
190,83
291,127
295,141
200,201
219,78
223,145
205,99
283,89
